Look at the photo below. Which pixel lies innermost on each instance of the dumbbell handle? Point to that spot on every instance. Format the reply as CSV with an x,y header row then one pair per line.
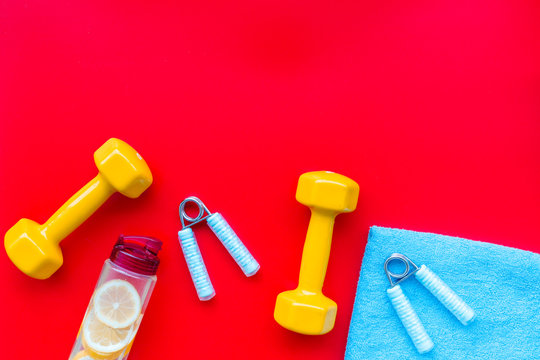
x,y
316,250
77,209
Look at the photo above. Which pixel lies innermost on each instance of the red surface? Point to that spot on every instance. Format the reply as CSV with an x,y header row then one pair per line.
x,y
432,106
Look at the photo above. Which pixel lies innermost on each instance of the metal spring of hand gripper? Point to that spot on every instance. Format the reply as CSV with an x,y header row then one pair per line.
x,y
463,312
192,254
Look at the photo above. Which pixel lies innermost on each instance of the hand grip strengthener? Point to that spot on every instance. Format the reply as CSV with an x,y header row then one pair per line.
x,y
192,254
463,312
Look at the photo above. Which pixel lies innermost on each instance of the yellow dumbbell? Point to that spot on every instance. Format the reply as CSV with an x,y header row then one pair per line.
x,y
306,310
35,249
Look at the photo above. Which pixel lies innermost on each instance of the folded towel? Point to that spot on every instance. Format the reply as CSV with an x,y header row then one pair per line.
x,y
501,284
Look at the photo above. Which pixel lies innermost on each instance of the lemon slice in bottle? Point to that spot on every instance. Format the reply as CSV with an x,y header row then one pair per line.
x,y
103,339
117,304
88,355
82,355
101,356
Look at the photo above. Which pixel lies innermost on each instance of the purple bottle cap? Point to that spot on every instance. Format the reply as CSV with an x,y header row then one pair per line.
x,y
137,254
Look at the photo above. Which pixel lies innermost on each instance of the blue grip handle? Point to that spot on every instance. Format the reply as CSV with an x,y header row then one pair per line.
x,y
410,320
195,263
232,243
446,296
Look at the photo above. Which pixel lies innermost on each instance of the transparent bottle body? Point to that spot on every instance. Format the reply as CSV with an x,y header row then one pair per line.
x,y
144,284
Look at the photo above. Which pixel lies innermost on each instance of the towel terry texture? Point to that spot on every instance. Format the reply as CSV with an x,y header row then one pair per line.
x,y
501,284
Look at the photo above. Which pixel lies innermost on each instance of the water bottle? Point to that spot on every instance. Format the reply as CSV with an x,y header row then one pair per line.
x,y
119,300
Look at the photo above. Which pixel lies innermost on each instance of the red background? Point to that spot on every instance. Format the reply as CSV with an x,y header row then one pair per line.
x,y
433,107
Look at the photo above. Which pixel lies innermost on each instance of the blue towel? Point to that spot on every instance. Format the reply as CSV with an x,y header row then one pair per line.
x,y
501,284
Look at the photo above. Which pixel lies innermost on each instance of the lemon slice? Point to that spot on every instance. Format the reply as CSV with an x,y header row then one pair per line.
x,y
117,304
103,356
82,355
103,339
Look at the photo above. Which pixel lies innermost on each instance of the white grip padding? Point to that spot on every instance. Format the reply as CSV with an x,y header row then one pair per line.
x,y
195,263
232,243
463,312
410,320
